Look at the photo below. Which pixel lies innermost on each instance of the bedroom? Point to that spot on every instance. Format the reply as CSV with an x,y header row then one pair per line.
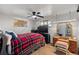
x,y
53,22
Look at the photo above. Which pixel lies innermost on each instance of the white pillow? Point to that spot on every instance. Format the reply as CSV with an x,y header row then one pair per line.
x,y
8,37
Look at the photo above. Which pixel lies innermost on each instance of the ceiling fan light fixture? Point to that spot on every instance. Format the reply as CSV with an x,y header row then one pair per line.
x,y
34,16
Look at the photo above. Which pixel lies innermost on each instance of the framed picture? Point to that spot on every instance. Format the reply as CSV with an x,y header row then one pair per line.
x,y
20,23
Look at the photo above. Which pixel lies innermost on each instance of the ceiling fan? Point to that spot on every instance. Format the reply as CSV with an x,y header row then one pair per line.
x,y
35,15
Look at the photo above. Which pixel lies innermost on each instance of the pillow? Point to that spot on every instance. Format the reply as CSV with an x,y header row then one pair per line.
x,y
8,45
8,37
14,36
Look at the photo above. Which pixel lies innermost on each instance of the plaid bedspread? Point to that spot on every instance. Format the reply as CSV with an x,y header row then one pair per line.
x,y
26,43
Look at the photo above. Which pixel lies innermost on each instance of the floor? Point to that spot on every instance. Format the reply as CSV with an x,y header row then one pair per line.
x,y
48,49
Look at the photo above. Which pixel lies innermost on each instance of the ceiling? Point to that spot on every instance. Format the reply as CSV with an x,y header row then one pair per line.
x,y
23,10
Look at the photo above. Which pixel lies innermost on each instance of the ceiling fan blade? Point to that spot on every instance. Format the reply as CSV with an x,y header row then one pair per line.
x,y
34,13
38,12
40,16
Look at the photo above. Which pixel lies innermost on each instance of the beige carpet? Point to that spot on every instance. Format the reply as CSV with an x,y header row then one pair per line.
x,y
48,49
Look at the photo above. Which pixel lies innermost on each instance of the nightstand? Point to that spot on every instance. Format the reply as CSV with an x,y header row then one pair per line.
x,y
73,46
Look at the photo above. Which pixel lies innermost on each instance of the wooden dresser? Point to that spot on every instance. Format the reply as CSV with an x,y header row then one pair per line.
x,y
72,43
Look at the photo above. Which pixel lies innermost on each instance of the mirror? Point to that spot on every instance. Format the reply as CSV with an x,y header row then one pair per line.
x,y
64,29
69,30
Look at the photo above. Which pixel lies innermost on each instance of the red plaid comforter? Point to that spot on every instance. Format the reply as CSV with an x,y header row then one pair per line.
x,y
27,43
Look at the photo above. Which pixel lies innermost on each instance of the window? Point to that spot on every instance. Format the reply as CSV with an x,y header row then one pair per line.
x,y
49,23
41,23
45,22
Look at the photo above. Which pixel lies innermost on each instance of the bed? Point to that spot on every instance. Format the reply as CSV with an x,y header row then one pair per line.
x,y
26,43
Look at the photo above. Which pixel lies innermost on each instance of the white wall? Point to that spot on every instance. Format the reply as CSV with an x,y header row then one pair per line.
x,y
72,18
6,23
67,17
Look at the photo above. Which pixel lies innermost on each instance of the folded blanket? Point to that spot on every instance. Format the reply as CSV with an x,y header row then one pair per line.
x,y
62,44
